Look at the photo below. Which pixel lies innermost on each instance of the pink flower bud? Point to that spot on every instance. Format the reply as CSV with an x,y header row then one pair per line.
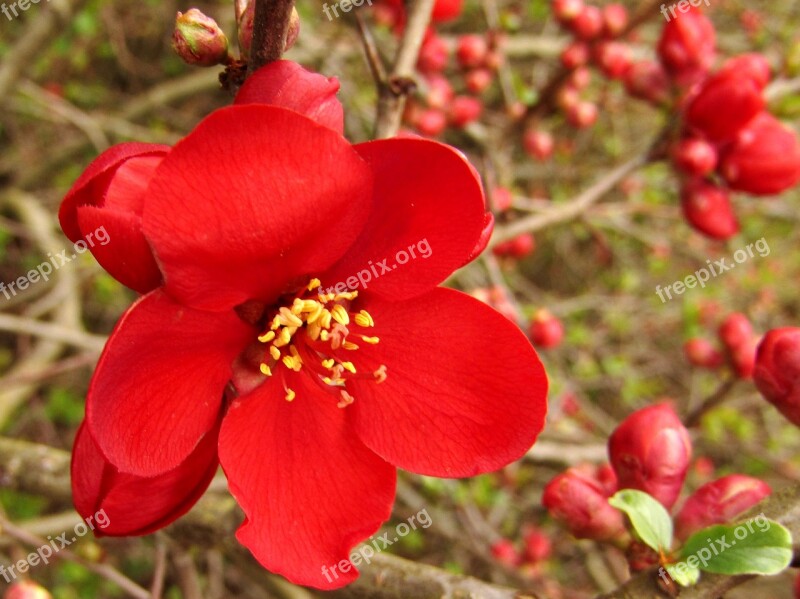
x,y
613,58
647,80
650,451
588,24
566,10
538,144
580,78
707,208
575,55
695,156
505,553
751,66
615,19
26,590
433,55
546,330
777,371
719,502
577,500
703,354
764,159
440,92
688,43
502,199
465,110
471,50
724,105
198,40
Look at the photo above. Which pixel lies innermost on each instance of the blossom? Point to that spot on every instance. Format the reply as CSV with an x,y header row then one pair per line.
x,y
285,345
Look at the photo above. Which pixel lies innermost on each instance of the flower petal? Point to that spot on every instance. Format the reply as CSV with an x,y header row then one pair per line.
x,y
309,488
122,249
158,387
428,214
255,197
285,83
465,391
107,496
92,185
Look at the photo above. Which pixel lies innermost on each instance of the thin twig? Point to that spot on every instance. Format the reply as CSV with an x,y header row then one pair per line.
x,y
712,401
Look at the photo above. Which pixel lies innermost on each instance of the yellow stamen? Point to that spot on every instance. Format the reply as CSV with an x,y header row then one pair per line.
x,y
267,337
380,374
348,366
275,352
349,345
371,340
328,363
363,319
313,284
340,315
265,370
290,395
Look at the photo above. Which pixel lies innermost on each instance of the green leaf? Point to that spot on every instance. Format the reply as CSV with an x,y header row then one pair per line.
x,y
684,574
649,518
758,546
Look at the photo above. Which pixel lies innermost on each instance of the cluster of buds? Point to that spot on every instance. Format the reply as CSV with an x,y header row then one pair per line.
x,y
738,342
502,203
595,42
439,105
536,548
200,41
729,141
777,371
649,451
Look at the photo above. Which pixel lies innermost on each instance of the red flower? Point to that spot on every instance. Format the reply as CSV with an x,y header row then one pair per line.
x,y
777,371
764,159
299,337
718,502
650,451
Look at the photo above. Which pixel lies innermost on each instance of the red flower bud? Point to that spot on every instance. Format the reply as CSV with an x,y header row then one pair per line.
x,y
471,50
538,546
719,502
465,110
566,10
588,24
695,156
688,43
735,331
505,553
708,209
440,92
502,199
538,144
26,590
431,122
446,10
647,80
777,371
615,19
579,78
546,330
520,246
701,353
613,58
582,115
764,159
650,451
433,55
575,55
478,80
752,66
743,359
640,556
725,104
198,40
577,500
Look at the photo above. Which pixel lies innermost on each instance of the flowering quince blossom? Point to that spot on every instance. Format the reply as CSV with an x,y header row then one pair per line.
x,y
237,354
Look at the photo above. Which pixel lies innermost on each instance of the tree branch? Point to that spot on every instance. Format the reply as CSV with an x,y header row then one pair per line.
x,y
270,24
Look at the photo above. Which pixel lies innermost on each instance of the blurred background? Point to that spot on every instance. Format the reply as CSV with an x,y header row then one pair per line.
x,y
77,77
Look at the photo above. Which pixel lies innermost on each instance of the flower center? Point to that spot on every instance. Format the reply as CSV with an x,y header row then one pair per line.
x,y
316,332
